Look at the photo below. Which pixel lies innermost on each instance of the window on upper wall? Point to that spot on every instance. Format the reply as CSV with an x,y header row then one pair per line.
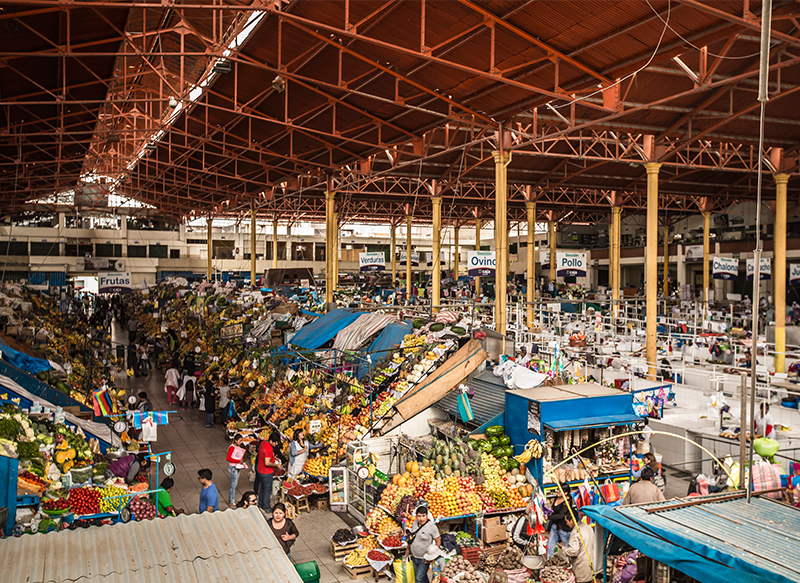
x,y
44,249
174,253
137,250
158,251
108,250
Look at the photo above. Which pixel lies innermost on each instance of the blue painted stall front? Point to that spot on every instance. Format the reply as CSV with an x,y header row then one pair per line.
x,y
534,413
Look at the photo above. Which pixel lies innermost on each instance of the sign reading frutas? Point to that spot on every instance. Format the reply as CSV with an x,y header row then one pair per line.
x,y
794,274
113,283
765,271
571,264
372,261
726,268
481,263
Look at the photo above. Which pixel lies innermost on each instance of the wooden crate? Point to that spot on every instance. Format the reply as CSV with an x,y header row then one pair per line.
x,y
495,549
358,572
338,552
378,574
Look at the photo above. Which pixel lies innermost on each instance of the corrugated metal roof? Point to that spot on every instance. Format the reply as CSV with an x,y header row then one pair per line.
x,y
764,532
229,546
488,402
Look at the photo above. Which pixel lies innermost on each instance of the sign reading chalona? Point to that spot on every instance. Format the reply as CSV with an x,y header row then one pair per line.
x,y
726,268
113,283
570,264
372,261
481,263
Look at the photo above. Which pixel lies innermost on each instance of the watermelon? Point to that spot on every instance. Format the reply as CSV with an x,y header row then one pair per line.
x,y
473,444
485,446
505,440
495,441
458,330
418,323
42,375
437,327
495,431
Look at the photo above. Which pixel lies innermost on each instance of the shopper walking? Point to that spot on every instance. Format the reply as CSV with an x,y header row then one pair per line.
x,y
265,469
133,327
249,499
557,524
422,536
171,382
209,497
284,528
209,401
235,459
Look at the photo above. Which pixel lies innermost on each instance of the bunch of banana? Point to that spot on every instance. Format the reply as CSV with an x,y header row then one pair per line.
x,y
357,558
533,449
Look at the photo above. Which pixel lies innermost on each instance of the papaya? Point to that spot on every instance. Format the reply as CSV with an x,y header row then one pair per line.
x,y
437,327
42,375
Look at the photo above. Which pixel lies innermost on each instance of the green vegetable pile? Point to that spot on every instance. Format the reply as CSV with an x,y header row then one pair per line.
x,y
27,450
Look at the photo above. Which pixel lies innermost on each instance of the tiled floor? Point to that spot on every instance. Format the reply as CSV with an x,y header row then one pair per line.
x,y
193,447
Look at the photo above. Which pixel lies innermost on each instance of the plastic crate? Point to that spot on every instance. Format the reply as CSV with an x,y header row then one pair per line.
x,y
27,501
309,572
471,554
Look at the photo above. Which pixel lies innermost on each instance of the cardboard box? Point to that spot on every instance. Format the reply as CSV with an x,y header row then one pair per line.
x,y
491,521
322,504
493,534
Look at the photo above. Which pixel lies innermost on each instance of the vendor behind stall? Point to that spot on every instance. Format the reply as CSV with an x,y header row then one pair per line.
x,y
127,467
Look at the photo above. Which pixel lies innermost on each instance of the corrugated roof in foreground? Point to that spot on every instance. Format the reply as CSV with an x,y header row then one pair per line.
x,y
233,546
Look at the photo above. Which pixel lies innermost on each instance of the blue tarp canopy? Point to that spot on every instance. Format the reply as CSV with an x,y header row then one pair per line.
x,y
392,334
25,362
317,333
713,542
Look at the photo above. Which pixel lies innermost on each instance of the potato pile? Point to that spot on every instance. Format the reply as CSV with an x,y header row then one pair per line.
x,y
511,559
554,575
458,565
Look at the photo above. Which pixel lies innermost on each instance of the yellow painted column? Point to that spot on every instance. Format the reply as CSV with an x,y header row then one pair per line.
x,y
531,293
436,288
457,254
394,256
275,244
336,250
666,260
501,161
252,248
553,251
706,258
210,243
779,254
330,230
614,262
408,258
477,248
651,267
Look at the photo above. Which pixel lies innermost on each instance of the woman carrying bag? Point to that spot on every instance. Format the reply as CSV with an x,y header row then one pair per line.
x,y
298,454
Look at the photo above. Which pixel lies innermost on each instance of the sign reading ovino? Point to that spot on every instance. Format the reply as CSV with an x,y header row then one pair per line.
x,y
794,274
113,283
481,263
764,272
570,264
372,261
726,268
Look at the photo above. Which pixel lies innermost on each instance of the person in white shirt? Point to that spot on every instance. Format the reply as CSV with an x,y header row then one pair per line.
x,y
581,550
172,381
224,399
764,423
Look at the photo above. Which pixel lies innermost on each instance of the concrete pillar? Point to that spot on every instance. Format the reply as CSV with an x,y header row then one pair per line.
x,y
501,161
330,231
408,258
706,258
275,244
436,287
456,254
615,235
779,270
253,248
477,248
394,255
666,260
553,251
210,250
651,267
531,256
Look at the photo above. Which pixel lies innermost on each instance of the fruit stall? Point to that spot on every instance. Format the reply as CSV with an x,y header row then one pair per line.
x,y
551,424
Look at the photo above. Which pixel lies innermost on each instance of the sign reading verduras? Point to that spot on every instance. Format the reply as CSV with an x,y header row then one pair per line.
x,y
570,264
113,283
765,271
794,274
372,261
481,263
726,268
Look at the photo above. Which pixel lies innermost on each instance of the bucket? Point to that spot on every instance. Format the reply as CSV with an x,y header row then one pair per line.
x,y
309,572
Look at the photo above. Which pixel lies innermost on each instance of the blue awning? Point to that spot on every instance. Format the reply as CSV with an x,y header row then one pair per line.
x,y
317,333
600,421
392,334
25,362
713,542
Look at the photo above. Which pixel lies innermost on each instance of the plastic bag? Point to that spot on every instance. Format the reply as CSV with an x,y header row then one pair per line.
x,y
404,570
149,430
518,575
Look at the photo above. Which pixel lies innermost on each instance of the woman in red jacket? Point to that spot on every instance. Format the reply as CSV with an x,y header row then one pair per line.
x,y
235,460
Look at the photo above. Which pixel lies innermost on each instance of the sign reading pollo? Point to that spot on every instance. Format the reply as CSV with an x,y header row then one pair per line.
x,y
570,264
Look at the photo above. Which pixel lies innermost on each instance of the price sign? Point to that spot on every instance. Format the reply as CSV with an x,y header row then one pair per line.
x,y
315,426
